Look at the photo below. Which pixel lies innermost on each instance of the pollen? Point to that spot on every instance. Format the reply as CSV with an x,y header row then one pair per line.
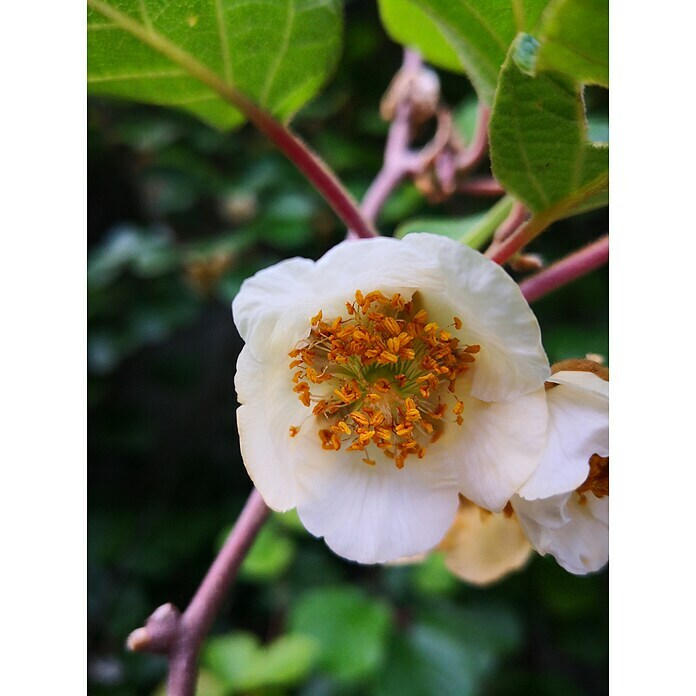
x,y
380,377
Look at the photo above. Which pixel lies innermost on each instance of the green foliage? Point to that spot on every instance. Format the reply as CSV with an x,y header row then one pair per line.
x,y
431,577
462,35
473,230
180,214
446,651
540,150
279,54
270,555
241,663
349,627
574,38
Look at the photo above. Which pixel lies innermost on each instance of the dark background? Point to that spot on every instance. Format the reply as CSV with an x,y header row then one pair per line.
x,y
179,215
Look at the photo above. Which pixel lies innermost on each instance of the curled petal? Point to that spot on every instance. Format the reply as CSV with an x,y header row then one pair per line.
x,y
581,544
578,428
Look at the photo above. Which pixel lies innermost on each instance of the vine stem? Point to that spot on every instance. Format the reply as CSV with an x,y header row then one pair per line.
x,y
566,270
398,160
180,636
314,169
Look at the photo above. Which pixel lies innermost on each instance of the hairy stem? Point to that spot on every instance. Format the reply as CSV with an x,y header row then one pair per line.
x,y
567,270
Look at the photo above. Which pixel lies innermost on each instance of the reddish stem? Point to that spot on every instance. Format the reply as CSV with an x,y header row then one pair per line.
x,y
566,270
181,636
481,187
397,157
323,179
478,147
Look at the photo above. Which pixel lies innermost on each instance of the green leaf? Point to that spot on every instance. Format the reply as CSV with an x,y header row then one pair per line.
x,y
349,627
206,685
574,38
276,52
540,151
270,555
447,650
473,230
432,577
427,661
462,35
243,664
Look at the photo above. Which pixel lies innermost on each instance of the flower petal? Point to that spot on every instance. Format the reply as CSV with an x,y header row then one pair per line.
x,y
266,298
268,409
494,313
482,547
581,545
578,428
374,514
497,447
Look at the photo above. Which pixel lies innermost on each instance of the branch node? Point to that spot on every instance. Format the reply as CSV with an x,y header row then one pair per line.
x,y
158,633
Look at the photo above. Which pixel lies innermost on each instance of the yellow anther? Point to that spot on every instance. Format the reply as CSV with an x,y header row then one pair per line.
x,y
384,433
391,326
366,401
370,462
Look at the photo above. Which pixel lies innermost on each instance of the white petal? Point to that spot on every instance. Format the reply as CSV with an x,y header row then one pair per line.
x,y
268,408
375,514
586,381
581,545
482,547
535,515
278,294
578,428
495,315
497,447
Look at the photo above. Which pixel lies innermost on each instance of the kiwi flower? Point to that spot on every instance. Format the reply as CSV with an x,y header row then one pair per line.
x,y
382,381
564,507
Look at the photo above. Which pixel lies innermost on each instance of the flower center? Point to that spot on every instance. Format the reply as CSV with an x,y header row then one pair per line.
x,y
382,377
597,481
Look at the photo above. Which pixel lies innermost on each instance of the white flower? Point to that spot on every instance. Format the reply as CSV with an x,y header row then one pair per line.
x,y
564,507
481,546
383,380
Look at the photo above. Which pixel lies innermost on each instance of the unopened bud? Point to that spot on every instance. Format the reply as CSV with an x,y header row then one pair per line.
x,y
419,88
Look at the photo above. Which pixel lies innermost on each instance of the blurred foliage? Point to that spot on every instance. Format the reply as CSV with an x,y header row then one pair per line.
x,y
179,215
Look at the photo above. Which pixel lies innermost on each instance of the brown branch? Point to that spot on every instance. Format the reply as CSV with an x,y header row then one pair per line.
x,y
566,270
180,636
